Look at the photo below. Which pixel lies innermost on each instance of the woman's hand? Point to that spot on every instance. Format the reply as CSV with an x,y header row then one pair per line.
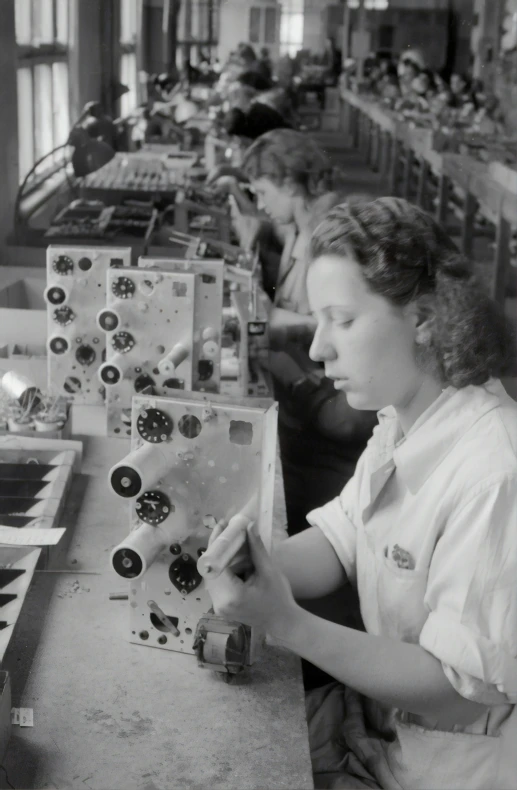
x,y
246,226
264,600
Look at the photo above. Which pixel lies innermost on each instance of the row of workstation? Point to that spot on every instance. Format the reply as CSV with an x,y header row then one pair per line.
x,y
109,713
448,184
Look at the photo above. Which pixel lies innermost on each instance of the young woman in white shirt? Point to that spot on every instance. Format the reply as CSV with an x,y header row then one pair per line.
x,y
426,697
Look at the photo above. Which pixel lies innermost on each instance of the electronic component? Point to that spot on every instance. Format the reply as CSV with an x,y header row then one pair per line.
x,y
217,464
138,175
222,645
75,292
166,335
248,377
154,425
153,507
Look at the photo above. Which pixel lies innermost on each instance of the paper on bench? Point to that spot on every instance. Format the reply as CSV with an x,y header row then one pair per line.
x,y
11,536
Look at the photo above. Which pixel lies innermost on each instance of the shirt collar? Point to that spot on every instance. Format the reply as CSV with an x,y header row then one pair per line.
x,y
435,432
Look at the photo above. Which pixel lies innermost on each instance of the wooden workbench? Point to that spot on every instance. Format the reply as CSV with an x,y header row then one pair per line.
x,y
109,714
397,148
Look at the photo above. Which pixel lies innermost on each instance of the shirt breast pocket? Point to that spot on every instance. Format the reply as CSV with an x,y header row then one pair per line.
x,y
400,597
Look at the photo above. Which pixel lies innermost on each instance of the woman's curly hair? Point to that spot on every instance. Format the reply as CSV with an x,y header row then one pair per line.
x,y
406,256
287,156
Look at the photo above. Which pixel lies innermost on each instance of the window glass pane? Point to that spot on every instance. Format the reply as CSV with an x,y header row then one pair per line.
x,y
128,20
291,31
270,31
61,103
254,25
129,77
25,122
42,22
43,115
62,33
22,10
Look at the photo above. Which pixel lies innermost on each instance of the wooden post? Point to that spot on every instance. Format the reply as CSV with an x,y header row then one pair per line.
x,y
356,126
9,125
423,176
407,173
166,22
467,227
394,166
346,33
502,259
361,29
442,206
384,156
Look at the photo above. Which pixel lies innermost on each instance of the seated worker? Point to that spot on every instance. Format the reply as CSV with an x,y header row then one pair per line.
x,y
293,181
425,529
320,435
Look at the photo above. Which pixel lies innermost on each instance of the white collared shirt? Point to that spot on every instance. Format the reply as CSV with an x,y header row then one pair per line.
x,y
427,530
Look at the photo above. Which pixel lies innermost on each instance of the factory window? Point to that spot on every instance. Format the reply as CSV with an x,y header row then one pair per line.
x,y
291,27
130,24
255,15
42,37
262,25
370,5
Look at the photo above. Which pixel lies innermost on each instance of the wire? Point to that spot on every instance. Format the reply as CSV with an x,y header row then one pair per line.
x,y
6,777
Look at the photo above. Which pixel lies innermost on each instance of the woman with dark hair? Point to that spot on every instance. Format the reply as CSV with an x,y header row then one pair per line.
x,y
320,437
425,529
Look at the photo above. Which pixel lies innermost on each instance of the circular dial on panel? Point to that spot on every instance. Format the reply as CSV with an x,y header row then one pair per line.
x,y
108,320
109,374
63,265
58,345
153,507
56,295
63,315
123,342
154,425
123,288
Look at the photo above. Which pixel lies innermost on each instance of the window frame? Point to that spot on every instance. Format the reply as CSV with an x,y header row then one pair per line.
x,y
290,9
192,40
130,47
30,56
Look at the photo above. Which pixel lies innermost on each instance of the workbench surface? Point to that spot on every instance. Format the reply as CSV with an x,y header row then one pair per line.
x,y
109,714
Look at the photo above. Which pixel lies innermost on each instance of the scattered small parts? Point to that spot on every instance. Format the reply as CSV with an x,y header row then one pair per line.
x,y
71,589
24,717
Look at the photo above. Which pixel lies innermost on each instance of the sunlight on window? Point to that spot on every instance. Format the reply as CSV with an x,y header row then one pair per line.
x,y
43,92
25,121
43,120
61,111
43,22
129,77
291,27
370,5
62,22
128,21
23,11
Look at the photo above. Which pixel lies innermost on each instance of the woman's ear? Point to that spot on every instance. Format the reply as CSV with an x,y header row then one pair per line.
x,y
423,316
291,188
